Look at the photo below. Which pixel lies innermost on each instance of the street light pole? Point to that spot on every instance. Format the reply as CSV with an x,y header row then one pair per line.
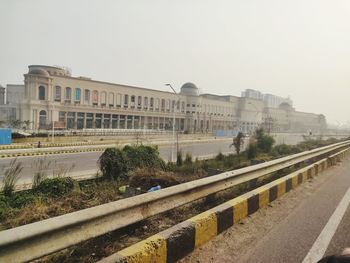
x,y
173,147
53,123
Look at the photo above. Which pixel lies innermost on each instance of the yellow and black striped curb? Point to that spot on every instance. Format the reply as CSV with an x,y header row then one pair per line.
x,y
51,152
178,241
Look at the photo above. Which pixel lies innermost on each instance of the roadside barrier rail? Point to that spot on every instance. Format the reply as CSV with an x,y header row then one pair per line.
x,y
38,239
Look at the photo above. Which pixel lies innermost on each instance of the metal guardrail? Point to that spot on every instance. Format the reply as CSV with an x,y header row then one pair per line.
x,y
34,240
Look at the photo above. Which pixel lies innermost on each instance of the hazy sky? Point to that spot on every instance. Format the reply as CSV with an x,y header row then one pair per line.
x,y
299,48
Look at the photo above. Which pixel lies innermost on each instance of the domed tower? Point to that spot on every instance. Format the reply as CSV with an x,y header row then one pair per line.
x,y
189,89
193,101
38,94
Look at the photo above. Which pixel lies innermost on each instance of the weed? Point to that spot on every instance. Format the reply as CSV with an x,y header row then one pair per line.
x,y
11,176
40,165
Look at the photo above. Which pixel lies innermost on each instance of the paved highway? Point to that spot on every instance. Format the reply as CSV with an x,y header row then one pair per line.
x,y
304,225
87,162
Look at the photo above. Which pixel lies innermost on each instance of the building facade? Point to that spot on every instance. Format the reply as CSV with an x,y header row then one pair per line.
x,y
52,96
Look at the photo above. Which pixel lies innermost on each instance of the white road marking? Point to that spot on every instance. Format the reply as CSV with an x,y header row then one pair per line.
x,y
321,244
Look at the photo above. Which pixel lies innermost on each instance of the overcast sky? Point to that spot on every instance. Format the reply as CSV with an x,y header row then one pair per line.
x,y
299,48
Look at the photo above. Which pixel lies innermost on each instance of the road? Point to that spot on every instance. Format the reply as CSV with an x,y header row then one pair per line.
x,y
302,226
86,162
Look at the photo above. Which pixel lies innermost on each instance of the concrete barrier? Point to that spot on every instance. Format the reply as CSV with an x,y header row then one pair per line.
x,y
178,241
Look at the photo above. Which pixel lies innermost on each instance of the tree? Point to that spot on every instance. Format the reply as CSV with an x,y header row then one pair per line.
x,y
238,142
15,124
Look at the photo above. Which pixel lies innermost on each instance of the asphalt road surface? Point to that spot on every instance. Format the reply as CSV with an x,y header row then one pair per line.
x,y
87,162
302,226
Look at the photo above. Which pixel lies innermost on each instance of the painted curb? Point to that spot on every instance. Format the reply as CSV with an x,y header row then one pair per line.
x,y
178,241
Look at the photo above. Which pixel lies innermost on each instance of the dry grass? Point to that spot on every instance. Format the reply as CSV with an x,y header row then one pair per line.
x,y
44,207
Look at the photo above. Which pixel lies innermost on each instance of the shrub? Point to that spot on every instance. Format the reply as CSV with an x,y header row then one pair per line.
x,y
188,159
140,156
11,177
56,187
113,163
20,199
220,157
264,142
179,160
40,165
252,151
149,177
3,207
284,149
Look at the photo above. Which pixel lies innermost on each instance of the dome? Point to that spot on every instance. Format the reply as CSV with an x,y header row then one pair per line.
x,y
38,71
189,89
285,106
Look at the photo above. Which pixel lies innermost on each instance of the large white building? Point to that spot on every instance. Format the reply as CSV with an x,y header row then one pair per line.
x,y
51,95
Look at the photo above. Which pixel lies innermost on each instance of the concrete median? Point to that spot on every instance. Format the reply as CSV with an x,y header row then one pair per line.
x,y
178,241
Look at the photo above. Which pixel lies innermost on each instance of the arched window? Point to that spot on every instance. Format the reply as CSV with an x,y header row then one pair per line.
x,y
41,93
87,96
77,95
119,99
103,98
163,105
145,102
157,104
126,100
151,103
68,96
57,93
111,99
132,101
42,119
95,97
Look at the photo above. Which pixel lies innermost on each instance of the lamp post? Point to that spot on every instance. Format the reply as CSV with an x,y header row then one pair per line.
x,y
53,123
173,147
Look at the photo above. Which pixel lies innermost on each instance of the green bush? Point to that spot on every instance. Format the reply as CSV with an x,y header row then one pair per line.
x,y
264,141
3,207
179,160
284,149
141,156
20,199
252,151
56,187
188,159
113,164
220,157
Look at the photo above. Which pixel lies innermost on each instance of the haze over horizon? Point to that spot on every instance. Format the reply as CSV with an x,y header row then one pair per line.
x,y
290,48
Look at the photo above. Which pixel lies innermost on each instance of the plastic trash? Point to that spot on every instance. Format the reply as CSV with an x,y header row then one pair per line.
x,y
154,188
122,189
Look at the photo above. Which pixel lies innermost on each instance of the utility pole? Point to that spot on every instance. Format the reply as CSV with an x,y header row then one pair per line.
x,y
173,156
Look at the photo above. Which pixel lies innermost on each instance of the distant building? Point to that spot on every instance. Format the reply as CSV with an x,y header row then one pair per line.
x,y
11,104
273,101
253,94
2,95
51,95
